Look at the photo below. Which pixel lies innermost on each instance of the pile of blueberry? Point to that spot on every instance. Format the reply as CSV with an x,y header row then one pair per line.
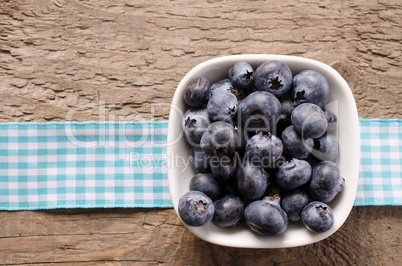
x,y
260,143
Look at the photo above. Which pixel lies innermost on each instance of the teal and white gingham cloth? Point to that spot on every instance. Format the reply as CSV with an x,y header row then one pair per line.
x,y
380,177
83,165
110,164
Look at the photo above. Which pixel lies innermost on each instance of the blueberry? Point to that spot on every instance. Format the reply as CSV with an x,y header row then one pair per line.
x,y
222,106
207,184
196,93
293,174
274,77
266,217
241,75
326,148
223,168
223,85
332,120
220,139
317,217
309,86
228,211
195,122
260,109
252,180
265,146
309,120
326,181
195,208
294,145
198,160
293,202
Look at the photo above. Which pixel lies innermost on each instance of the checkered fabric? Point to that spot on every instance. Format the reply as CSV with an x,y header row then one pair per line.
x,y
83,165
380,177
109,164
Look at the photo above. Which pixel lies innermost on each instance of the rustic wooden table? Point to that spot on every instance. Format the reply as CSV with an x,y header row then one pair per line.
x,y
114,60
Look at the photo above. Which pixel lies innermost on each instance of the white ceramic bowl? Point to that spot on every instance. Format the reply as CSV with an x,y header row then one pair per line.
x,y
341,102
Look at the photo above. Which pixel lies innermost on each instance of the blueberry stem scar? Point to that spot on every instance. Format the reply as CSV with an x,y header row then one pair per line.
x,y
275,84
200,206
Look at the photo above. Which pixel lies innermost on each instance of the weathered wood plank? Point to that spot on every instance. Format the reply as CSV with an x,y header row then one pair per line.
x,y
124,57
369,236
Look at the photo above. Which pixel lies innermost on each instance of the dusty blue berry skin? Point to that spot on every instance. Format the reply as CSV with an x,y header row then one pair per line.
x,y
332,120
222,106
309,120
317,217
223,168
195,208
252,180
260,110
195,122
274,77
294,145
326,182
241,75
265,146
293,202
196,93
228,211
198,160
266,217
207,184
223,85
220,139
326,148
309,86
293,174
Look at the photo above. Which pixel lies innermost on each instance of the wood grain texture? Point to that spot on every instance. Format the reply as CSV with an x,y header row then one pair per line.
x,y
112,60
122,60
369,237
